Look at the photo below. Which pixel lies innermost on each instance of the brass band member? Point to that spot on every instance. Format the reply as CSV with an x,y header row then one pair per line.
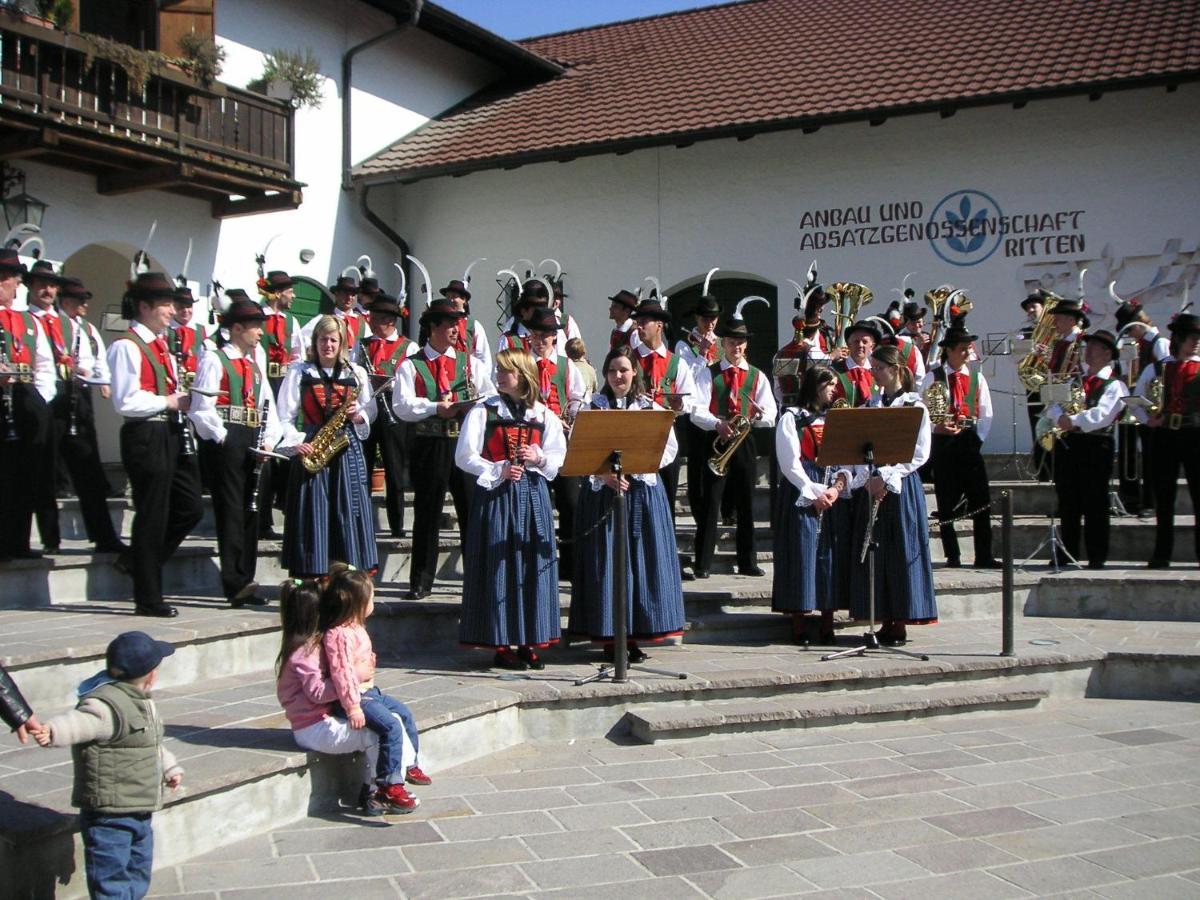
x,y
329,513
472,337
1033,306
148,391
1137,484
346,311
699,348
620,309
1177,431
1083,455
283,343
27,385
431,390
240,418
383,351
515,335
729,393
960,477
855,384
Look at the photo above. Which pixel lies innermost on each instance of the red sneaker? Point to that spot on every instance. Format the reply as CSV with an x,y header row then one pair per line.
x,y
398,799
414,775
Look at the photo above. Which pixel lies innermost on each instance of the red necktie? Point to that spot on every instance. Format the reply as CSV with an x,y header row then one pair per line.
x,y
734,379
546,370
1090,383
958,391
658,371
247,373
862,383
441,373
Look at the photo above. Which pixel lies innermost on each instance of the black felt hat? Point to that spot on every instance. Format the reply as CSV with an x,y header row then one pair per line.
x,y
369,286
914,311
652,309
734,327
1131,311
872,328
344,283
1184,324
183,294
42,269
10,261
243,311
543,319
708,306
73,289
1107,338
1070,308
279,280
441,310
957,333
385,304
626,298
1038,296
457,286
236,294
152,286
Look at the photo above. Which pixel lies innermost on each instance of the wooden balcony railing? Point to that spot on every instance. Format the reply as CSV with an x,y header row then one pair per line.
x,y
216,139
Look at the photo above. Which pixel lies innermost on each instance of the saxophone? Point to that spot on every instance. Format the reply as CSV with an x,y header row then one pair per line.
x,y
331,439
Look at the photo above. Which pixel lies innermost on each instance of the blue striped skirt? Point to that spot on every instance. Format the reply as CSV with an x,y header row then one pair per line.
x,y
807,574
903,569
329,514
654,589
510,568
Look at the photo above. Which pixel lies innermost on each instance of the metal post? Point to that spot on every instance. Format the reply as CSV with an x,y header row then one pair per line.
x,y
1006,523
620,601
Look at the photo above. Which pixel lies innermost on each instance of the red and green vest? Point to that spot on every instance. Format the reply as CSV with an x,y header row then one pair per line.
x,y
465,342
185,342
661,372
383,356
321,398
724,403
247,392
425,381
554,388
855,392
20,337
277,336
964,398
60,331
501,436
156,375
1181,388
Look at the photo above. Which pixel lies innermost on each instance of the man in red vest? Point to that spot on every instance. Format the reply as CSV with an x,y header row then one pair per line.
x,y
27,385
383,351
620,309
434,389
147,391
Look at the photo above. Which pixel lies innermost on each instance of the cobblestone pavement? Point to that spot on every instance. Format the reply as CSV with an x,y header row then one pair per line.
x,y
1086,798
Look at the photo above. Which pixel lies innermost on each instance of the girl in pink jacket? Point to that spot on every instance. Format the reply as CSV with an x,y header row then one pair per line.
x,y
346,601
308,696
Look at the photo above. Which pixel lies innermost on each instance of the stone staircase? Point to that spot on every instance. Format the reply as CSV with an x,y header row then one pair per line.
x,y
244,773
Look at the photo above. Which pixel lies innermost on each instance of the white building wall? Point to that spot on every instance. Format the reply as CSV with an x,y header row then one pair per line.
x,y
1110,184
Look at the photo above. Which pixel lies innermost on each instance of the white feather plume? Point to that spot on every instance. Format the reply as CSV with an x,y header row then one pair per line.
x,y
401,294
799,289
811,276
737,312
529,268
1112,292
903,285
186,260
708,279
883,323
1082,272
367,271
657,288
427,287
25,247
352,273
557,268
467,273
511,273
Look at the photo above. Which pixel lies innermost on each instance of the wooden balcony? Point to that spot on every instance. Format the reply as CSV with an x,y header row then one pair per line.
x,y
63,106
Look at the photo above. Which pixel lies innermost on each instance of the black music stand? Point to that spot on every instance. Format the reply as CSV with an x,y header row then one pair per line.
x,y
618,442
874,436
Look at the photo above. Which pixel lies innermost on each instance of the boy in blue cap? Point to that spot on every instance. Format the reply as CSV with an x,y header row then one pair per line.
x,y
120,764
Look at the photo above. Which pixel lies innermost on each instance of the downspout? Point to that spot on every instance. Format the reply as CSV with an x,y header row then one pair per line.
x,y
347,182
348,79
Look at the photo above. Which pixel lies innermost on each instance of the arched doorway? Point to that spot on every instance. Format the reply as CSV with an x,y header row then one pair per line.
x,y
729,288
104,268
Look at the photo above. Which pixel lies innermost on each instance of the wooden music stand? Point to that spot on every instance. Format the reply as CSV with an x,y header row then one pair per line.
x,y
618,442
870,436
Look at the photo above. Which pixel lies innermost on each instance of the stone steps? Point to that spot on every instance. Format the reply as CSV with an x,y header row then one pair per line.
x,y
1153,597
665,722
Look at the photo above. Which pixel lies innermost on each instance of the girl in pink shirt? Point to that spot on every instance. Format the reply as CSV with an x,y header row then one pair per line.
x,y
308,696
346,601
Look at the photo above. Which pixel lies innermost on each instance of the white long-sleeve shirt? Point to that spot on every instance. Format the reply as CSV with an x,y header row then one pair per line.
x,y
983,404
289,402
791,467
670,450
203,410
125,362
411,408
685,381
893,475
763,398
96,363
1108,407
468,452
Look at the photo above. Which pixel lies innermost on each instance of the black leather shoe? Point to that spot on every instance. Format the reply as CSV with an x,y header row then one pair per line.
x,y
686,576
248,600
506,659
162,611
637,655
1159,564
124,563
701,573
117,547
954,563
269,534
530,658
418,593
28,554
51,548
752,571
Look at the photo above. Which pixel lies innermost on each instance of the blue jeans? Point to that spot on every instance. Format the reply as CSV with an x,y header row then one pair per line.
x,y
381,711
118,852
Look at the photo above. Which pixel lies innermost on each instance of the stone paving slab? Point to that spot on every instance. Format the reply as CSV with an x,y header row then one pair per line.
x,y
923,843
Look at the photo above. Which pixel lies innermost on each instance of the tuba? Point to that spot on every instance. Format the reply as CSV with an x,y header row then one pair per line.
x,y
847,298
723,449
1034,368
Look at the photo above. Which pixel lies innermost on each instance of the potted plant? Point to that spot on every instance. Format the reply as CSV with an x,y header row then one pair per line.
x,y
291,75
202,57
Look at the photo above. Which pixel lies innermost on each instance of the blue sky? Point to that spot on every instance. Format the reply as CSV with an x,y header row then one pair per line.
x,y
526,18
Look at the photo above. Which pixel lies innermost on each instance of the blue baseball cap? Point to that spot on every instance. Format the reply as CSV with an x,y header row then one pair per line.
x,y
134,654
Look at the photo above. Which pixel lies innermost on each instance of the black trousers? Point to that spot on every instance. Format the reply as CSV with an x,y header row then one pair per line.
x,y
566,499
432,471
20,449
79,454
166,500
699,447
273,493
1135,479
1082,467
1040,460
738,485
389,442
959,477
1173,449
229,469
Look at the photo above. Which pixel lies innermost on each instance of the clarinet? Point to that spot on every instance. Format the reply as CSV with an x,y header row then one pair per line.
x,y
260,460
377,374
73,387
187,443
10,419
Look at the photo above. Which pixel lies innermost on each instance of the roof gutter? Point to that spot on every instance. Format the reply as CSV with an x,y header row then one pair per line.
x,y
348,78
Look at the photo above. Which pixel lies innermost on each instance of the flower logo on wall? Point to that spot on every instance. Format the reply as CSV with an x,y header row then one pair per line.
x,y
964,227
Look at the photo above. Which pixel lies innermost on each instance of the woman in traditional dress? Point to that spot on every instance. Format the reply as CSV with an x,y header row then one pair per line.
x,y
329,513
814,517
655,610
904,572
513,445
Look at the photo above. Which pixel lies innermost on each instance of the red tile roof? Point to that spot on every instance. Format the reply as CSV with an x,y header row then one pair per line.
x,y
761,65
